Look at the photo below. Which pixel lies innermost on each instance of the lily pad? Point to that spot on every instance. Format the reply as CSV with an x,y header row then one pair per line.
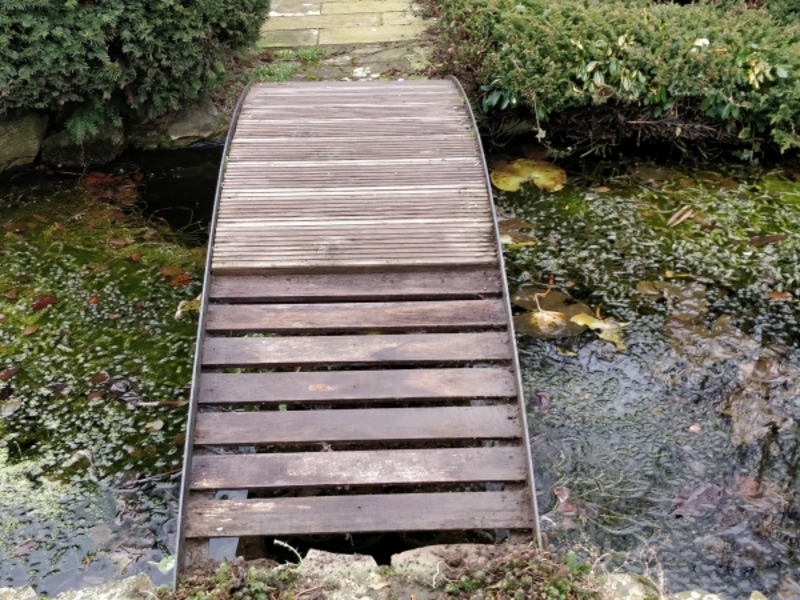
x,y
550,318
546,324
544,175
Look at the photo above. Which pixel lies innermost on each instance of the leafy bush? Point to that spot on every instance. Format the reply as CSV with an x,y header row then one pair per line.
x,y
694,71
88,60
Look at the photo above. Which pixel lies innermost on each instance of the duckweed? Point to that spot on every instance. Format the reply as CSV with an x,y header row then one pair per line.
x,y
92,354
619,436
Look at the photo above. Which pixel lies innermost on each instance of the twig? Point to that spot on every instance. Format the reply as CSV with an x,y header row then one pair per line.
x,y
308,591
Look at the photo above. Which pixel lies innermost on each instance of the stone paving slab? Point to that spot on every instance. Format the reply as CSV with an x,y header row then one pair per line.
x,y
364,6
293,8
367,35
289,39
323,21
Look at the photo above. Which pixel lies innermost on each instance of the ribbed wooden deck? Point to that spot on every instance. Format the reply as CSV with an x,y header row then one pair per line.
x,y
356,367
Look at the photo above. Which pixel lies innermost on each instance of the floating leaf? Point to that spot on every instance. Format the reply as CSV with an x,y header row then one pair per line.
x,y
136,257
93,300
170,271
166,564
98,378
156,425
11,295
7,374
607,329
765,240
29,330
181,280
511,233
544,175
602,189
764,495
546,324
42,302
696,500
779,296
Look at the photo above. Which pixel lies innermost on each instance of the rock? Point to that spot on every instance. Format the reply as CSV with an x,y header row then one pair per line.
x,y
25,593
422,564
196,122
138,587
20,139
694,595
343,576
623,586
60,150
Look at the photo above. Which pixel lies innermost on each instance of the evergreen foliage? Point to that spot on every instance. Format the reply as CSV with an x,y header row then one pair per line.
x,y
717,69
91,60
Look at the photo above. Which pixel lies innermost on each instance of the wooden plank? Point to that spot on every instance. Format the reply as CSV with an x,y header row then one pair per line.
x,y
371,467
356,316
359,514
419,285
356,386
358,425
392,349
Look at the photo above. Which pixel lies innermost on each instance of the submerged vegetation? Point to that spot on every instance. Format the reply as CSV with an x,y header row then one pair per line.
x,y
598,72
94,373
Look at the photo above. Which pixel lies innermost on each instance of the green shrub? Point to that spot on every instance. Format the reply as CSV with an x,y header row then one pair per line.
x,y
680,71
90,60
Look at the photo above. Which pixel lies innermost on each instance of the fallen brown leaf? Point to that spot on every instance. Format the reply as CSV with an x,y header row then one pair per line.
x,y
8,373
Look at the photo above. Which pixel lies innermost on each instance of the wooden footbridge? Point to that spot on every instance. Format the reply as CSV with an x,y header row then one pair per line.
x,y
356,369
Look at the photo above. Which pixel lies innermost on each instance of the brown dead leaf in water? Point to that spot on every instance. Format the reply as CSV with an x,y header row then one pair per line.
x,y
93,300
117,242
11,294
98,378
8,373
136,257
763,494
602,189
512,233
696,500
181,280
779,296
30,330
170,271
765,240
42,302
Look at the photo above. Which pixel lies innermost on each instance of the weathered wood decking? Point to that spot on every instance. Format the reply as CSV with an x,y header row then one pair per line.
x,y
356,367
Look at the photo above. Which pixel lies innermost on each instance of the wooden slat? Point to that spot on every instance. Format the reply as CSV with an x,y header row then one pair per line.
x,y
358,425
358,514
419,349
356,316
424,285
372,467
356,386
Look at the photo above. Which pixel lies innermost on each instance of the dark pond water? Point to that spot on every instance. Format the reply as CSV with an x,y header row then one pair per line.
x,y
677,457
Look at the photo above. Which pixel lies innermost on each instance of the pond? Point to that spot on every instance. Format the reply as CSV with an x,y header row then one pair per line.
x,y
673,453
94,366
676,452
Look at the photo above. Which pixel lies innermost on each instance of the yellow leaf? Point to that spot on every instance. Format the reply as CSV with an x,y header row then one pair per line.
x,y
607,329
546,176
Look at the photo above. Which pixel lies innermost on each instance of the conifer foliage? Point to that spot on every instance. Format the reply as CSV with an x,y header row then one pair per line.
x,y
93,60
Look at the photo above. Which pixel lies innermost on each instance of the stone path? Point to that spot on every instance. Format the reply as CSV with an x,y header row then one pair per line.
x,y
295,23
